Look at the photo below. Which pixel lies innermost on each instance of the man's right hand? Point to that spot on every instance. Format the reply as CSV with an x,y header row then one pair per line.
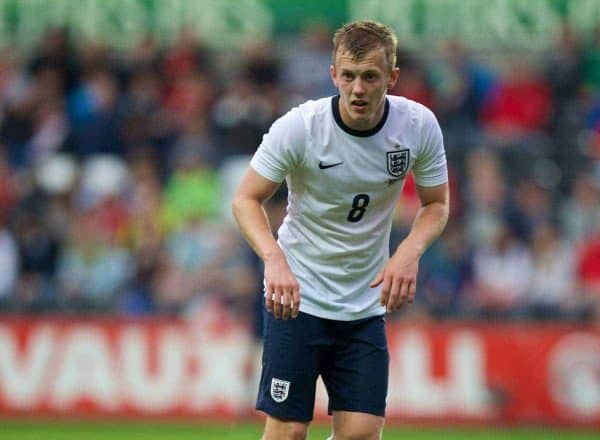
x,y
282,291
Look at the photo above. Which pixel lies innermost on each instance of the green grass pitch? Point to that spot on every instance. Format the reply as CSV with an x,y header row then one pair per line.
x,y
36,430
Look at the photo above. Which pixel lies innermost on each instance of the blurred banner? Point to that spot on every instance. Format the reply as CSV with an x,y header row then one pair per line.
x,y
474,373
491,24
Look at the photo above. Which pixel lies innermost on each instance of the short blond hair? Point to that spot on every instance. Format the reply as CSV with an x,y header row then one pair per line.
x,y
361,37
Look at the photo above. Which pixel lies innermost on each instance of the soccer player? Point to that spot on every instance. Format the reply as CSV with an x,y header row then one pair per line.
x,y
329,279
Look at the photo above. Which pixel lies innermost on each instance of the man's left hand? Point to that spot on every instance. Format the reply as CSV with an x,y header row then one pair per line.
x,y
399,278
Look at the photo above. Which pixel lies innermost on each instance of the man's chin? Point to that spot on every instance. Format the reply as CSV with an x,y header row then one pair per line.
x,y
360,117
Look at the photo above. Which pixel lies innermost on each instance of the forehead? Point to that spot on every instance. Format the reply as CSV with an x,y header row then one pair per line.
x,y
374,59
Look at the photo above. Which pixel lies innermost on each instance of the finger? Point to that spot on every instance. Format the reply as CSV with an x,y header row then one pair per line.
x,y
295,301
286,302
412,291
383,298
269,300
377,281
385,291
394,294
404,292
277,303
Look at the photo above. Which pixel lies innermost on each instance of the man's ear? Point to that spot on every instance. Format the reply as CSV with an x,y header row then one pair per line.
x,y
394,75
333,74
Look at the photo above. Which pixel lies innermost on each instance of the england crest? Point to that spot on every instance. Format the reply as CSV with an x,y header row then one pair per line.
x,y
279,389
397,162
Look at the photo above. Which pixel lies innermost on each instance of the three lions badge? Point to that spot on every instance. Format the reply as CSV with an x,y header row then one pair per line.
x,y
279,389
397,162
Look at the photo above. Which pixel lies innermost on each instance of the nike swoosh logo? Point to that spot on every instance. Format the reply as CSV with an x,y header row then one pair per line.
x,y
324,167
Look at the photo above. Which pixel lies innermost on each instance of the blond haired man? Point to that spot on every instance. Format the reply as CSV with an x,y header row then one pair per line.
x,y
329,278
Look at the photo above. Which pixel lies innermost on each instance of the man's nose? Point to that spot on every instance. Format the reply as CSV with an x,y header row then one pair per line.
x,y
358,88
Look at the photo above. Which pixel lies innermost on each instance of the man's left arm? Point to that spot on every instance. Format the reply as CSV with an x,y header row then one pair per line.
x,y
399,276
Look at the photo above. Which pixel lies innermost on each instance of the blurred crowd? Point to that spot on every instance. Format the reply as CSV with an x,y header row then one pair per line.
x,y
117,168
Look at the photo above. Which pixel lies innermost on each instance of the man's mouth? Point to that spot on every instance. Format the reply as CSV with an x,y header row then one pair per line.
x,y
359,104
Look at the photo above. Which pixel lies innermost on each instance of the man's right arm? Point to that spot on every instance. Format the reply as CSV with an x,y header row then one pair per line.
x,y
282,292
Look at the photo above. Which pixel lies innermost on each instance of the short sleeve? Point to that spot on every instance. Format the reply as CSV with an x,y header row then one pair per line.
x,y
430,167
282,148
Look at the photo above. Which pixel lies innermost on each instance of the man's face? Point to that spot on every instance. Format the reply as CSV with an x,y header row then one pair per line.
x,y
362,84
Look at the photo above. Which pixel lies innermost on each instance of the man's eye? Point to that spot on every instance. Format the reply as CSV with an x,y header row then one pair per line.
x,y
347,75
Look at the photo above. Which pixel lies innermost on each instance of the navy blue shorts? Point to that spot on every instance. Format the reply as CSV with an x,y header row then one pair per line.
x,y
351,357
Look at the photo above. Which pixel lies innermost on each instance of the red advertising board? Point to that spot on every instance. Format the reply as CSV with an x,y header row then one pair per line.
x,y
446,372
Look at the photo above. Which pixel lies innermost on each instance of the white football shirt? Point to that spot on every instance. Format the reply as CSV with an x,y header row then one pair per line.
x,y
343,185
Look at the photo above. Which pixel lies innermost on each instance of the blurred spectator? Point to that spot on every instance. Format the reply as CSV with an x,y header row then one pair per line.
x,y
452,79
588,265
195,139
552,292
191,192
485,198
580,211
104,178
50,131
144,122
56,52
306,67
242,116
530,207
143,235
145,56
38,248
190,97
591,62
203,261
445,272
501,276
186,56
93,112
413,83
563,68
16,126
520,103
93,268
9,187
9,261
